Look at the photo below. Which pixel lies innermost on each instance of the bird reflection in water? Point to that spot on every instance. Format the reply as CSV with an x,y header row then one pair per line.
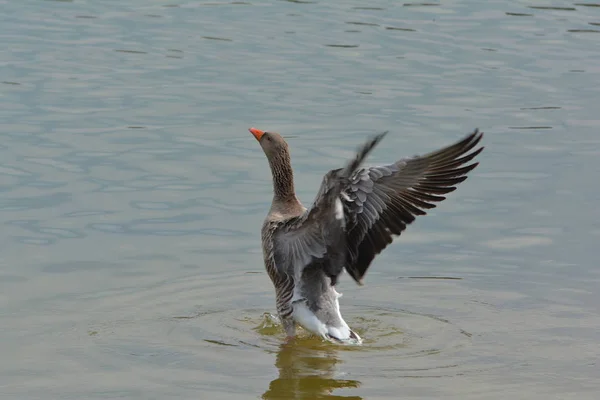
x,y
307,369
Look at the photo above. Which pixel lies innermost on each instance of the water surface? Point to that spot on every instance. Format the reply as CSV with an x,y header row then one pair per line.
x,y
132,197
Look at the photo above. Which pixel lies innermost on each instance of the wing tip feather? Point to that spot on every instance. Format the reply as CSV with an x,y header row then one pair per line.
x,y
451,158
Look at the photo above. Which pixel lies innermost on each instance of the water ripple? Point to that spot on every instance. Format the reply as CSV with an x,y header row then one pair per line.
x,y
132,194
35,202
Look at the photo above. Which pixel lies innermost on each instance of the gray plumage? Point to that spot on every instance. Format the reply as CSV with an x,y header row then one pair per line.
x,y
356,214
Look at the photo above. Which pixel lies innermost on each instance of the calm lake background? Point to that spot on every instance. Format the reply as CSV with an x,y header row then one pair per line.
x,y
132,194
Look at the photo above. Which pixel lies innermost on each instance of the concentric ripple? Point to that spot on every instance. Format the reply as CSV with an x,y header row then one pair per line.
x,y
405,333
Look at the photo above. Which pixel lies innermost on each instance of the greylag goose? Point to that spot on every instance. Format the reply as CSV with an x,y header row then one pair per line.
x,y
355,215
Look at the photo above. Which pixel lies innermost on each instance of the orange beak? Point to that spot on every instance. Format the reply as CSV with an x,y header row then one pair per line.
x,y
257,133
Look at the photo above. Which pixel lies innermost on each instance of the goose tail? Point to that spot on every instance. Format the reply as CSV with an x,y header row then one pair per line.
x,y
326,320
351,338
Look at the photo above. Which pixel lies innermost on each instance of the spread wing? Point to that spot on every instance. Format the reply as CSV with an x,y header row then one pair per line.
x,y
380,202
358,212
318,236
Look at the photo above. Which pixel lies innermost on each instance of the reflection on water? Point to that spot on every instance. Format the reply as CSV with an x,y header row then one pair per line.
x,y
311,368
308,370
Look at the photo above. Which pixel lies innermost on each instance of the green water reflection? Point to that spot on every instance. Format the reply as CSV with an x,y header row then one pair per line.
x,y
307,370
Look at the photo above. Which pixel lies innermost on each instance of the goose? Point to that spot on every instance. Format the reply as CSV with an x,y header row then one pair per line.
x,y
356,214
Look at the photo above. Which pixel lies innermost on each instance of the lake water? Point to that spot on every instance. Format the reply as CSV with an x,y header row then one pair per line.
x,y
132,197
